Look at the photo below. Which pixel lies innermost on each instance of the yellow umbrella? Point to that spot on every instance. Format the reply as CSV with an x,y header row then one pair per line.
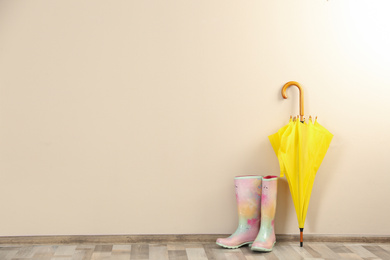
x,y
300,147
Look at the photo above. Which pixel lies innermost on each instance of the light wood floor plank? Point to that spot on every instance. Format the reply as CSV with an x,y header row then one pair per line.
x,y
85,253
311,251
287,252
351,256
360,250
102,252
121,252
183,246
236,250
177,255
65,250
83,247
8,253
229,256
219,253
237,256
101,256
323,250
378,251
45,252
82,255
196,254
26,252
255,257
269,256
103,248
139,252
385,247
158,252
121,248
301,251
338,248
209,250
246,250
196,251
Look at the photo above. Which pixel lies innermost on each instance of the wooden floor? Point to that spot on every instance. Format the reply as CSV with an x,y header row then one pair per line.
x,y
195,251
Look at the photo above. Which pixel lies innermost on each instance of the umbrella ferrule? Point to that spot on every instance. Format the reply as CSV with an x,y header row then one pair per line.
x,y
301,229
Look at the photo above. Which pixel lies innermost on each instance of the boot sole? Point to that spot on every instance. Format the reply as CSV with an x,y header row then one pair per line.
x,y
234,247
262,249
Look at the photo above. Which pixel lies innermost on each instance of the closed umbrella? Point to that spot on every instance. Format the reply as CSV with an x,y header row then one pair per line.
x,y
300,147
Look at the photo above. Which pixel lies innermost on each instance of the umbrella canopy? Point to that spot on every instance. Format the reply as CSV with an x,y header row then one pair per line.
x,y
300,147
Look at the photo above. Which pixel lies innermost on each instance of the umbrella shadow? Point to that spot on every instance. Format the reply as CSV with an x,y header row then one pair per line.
x,y
325,175
284,206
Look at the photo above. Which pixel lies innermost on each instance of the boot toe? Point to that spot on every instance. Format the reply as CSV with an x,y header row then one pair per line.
x,y
221,241
231,244
262,247
224,242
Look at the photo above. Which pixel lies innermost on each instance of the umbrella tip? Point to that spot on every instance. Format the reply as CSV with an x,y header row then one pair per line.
x,y
301,244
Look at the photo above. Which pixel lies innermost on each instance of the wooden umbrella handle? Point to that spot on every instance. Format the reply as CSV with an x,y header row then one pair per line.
x,y
301,99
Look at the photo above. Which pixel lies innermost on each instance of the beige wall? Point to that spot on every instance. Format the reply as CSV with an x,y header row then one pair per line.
x,y
133,117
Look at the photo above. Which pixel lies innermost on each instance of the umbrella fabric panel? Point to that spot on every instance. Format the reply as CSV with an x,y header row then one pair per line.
x,y
300,148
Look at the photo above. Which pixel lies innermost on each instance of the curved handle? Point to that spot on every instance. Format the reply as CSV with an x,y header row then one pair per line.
x,y
301,99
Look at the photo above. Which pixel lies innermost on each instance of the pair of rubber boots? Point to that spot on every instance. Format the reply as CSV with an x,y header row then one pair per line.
x,y
256,200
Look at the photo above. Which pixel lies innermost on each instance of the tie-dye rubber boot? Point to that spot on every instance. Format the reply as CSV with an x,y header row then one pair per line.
x,y
265,240
248,195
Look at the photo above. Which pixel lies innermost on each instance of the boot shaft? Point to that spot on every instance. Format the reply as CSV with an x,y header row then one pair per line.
x,y
268,197
266,239
248,195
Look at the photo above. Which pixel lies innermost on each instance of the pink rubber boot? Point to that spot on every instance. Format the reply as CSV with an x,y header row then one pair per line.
x,y
266,240
248,194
